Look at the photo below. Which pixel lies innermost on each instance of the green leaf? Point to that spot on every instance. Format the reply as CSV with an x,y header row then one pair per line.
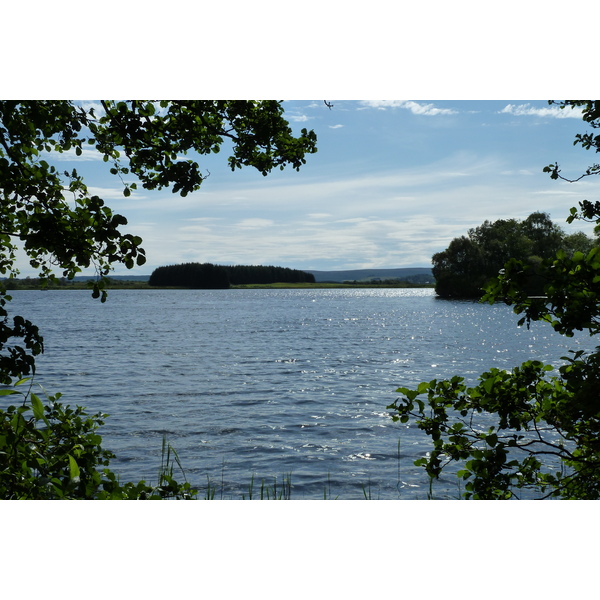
x,y
422,387
491,439
8,392
38,407
410,394
488,384
73,468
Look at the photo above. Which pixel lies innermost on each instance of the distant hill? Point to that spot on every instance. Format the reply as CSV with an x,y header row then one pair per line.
x,y
420,274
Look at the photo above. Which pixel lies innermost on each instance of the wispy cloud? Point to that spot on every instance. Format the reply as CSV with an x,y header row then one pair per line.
x,y
416,108
555,112
512,173
255,223
194,229
87,154
335,126
114,193
298,118
391,218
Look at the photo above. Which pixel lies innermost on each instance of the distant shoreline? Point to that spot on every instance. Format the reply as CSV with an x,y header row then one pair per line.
x,y
142,285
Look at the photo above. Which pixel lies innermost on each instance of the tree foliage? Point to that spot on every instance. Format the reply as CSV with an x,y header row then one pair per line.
x,y
190,275
64,228
245,274
528,429
471,261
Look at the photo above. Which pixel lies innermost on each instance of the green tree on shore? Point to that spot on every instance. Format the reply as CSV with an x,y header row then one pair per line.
x,y
64,228
471,261
545,432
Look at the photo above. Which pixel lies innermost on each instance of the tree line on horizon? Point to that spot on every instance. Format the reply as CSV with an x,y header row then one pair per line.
x,y
209,276
472,260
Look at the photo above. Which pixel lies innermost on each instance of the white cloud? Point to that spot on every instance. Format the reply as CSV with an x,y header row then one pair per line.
x,y
415,107
255,223
521,110
517,172
574,193
202,219
193,229
298,118
87,154
113,194
335,126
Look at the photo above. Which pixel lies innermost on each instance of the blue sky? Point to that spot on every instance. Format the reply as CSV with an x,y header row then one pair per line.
x,y
392,183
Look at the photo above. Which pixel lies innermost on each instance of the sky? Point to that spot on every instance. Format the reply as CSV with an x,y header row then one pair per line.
x,y
392,183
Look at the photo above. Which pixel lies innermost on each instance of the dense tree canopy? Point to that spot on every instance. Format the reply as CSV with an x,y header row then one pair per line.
x,y
190,275
46,450
245,274
207,276
544,436
469,262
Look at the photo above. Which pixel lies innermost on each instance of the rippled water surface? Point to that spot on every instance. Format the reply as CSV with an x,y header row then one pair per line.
x,y
272,382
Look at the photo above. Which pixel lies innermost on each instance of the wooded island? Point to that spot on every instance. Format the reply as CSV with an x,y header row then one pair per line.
x,y
209,276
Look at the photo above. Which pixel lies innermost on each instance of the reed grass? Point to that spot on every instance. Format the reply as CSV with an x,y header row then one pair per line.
x,y
272,489
271,492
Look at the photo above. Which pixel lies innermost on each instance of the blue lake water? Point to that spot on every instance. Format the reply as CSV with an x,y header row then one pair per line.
x,y
272,382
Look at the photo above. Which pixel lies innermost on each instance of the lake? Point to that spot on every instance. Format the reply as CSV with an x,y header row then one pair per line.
x,y
268,383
